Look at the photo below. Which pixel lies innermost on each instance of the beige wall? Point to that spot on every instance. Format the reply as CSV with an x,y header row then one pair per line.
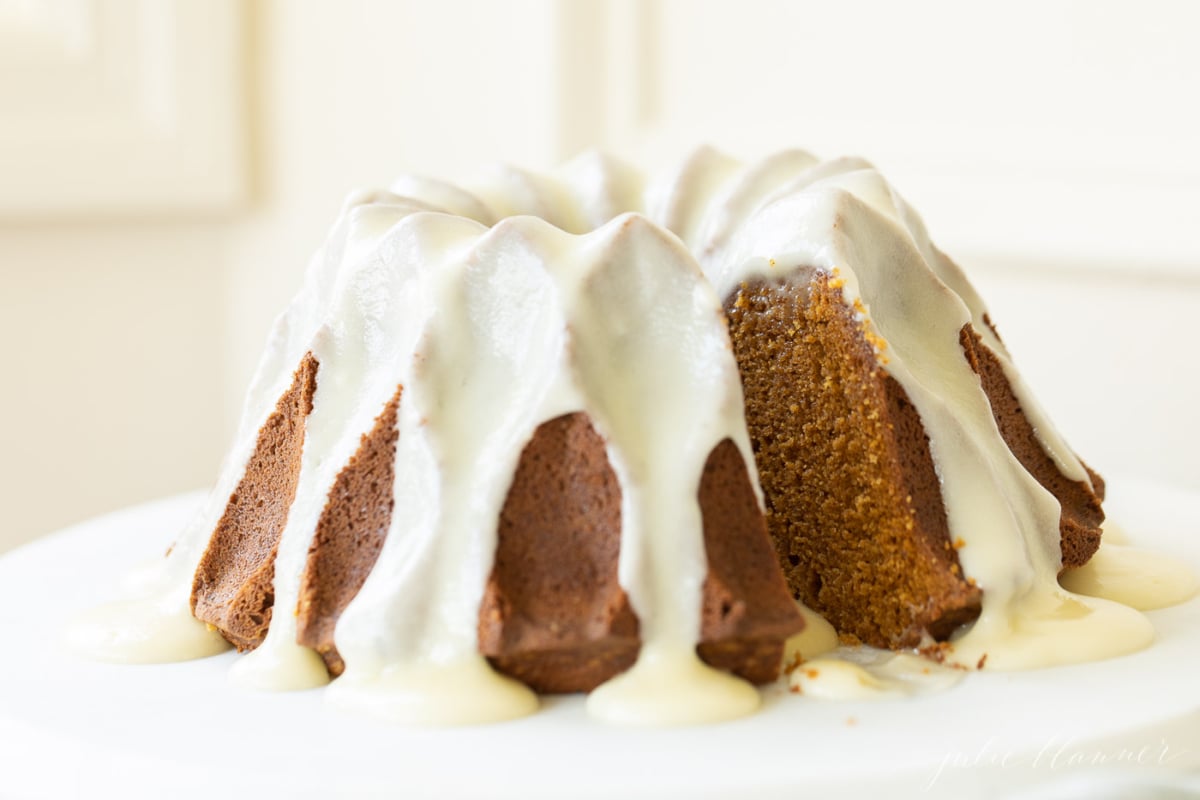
x,y
1108,355
113,352
129,339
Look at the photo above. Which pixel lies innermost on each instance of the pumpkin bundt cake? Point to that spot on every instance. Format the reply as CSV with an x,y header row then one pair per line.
x,y
581,433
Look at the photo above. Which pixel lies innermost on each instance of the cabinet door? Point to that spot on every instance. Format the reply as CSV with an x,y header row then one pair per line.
x,y
117,107
1065,130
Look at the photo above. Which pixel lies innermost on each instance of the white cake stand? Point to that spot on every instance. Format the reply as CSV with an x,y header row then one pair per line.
x,y
1127,727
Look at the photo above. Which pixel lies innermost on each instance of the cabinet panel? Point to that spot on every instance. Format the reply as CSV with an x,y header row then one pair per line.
x,y
112,107
1063,131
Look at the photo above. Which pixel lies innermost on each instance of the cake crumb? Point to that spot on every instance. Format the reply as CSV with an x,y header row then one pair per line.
x,y
982,661
936,651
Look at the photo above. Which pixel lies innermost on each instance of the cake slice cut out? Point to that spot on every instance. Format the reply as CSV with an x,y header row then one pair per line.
x,y
854,504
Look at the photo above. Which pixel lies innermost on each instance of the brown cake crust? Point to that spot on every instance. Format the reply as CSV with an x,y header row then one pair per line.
x,y
747,612
554,615
1082,514
853,501
349,536
233,585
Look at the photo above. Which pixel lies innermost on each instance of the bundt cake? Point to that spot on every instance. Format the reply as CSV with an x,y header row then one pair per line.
x,y
574,432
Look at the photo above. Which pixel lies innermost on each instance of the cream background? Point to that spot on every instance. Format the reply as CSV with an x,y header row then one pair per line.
x,y
1050,148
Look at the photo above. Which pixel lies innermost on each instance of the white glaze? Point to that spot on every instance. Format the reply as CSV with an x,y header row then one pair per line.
x,y
1114,532
865,673
142,631
1138,578
403,295
148,624
817,638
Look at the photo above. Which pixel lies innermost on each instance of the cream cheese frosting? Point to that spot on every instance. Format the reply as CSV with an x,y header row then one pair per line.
x,y
527,296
